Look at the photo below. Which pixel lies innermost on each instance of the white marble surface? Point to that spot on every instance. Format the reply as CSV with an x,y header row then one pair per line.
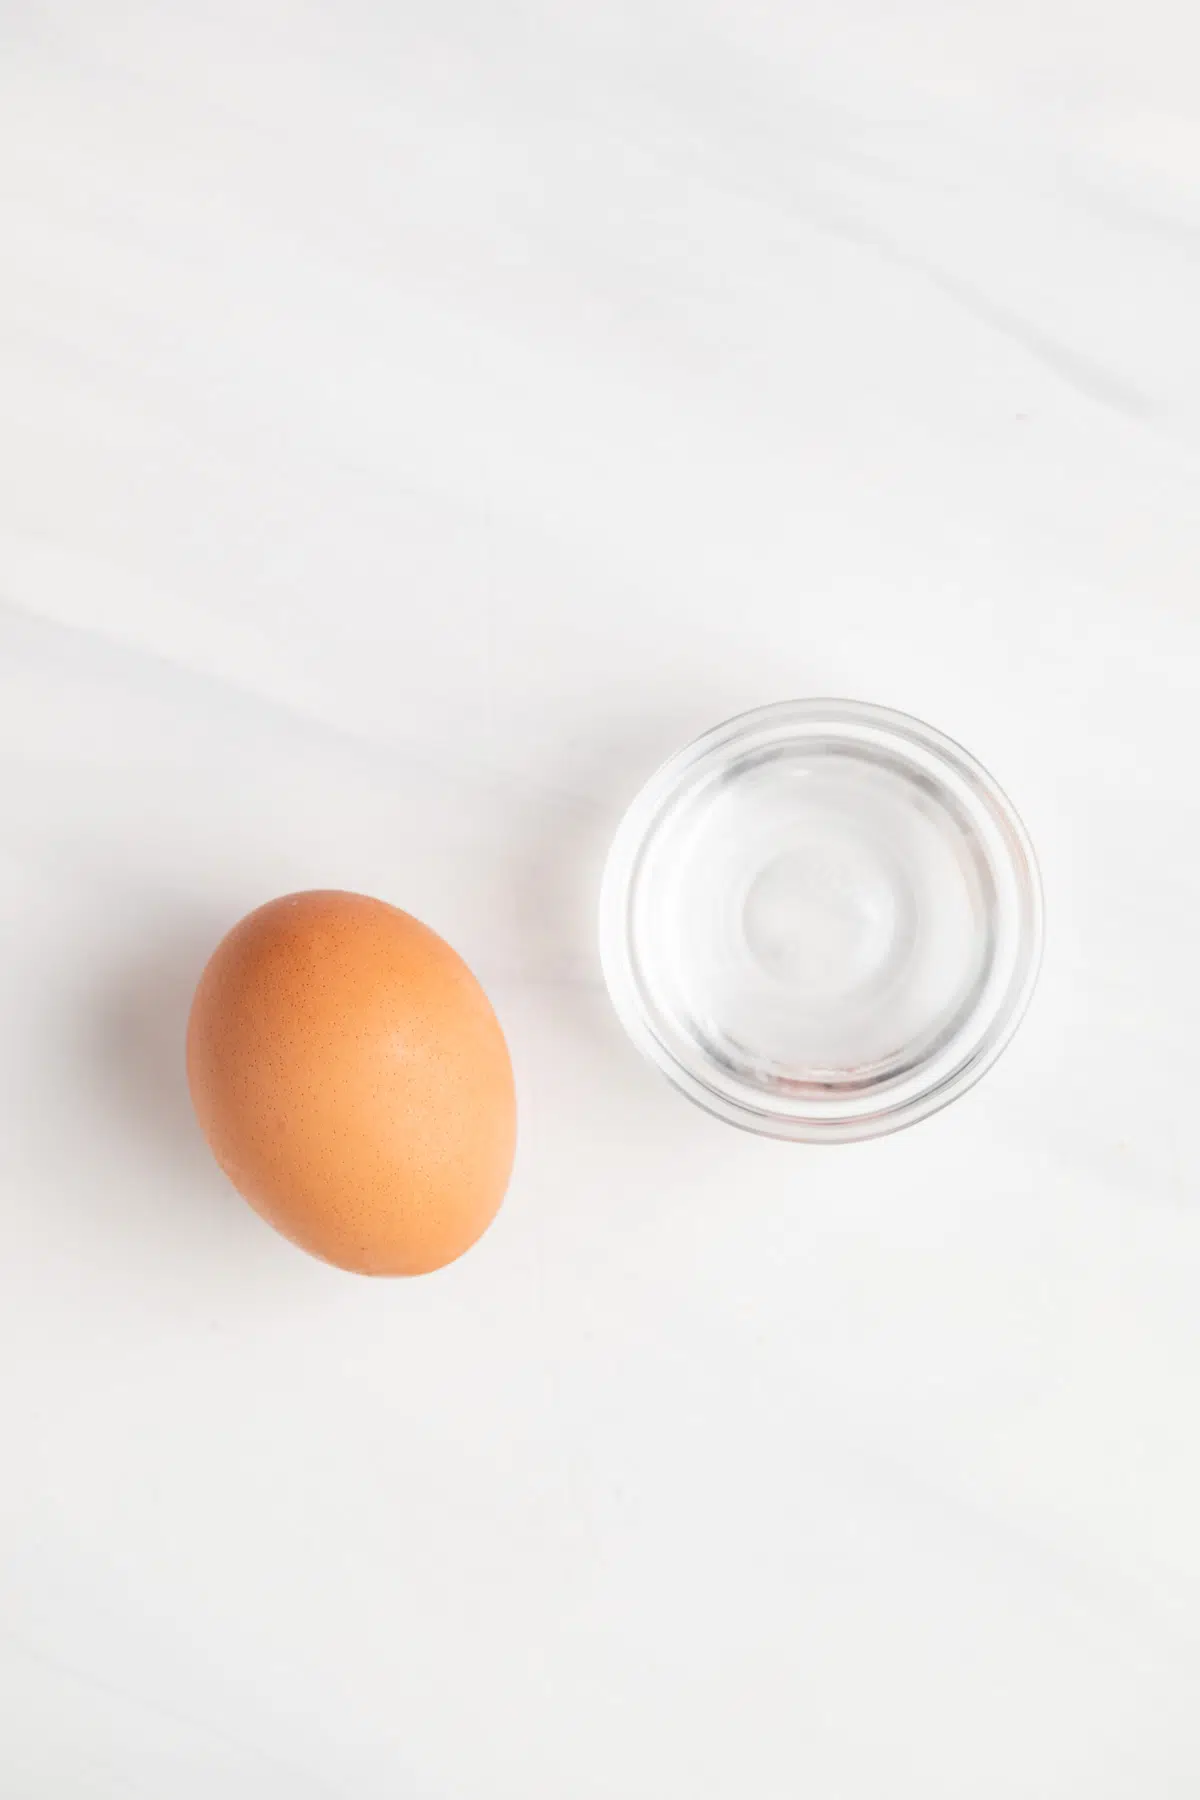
x,y
417,419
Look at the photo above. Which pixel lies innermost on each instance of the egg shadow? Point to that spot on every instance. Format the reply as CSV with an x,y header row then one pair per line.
x,y
135,1049
140,1027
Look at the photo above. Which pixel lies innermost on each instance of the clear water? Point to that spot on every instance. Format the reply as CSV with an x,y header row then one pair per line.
x,y
814,918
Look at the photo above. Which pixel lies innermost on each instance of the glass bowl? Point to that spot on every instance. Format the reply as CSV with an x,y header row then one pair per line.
x,y
821,920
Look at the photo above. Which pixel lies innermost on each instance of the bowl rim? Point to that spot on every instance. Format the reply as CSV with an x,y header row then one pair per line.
x,y
619,885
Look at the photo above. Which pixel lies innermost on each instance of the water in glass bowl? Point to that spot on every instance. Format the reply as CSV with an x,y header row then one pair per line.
x,y
822,920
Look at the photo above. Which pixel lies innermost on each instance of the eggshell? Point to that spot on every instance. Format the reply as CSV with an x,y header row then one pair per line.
x,y
353,1082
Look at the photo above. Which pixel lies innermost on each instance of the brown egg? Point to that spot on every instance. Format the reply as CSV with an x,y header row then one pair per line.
x,y
353,1082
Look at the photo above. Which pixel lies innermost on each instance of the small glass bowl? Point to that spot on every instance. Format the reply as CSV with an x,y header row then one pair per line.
x,y
822,920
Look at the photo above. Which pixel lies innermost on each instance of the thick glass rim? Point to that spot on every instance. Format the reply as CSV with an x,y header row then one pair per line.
x,y
884,734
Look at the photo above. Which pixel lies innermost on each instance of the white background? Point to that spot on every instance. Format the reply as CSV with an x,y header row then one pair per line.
x,y
416,418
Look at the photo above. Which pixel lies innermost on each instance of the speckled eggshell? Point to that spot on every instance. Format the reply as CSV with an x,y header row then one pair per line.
x,y
353,1082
